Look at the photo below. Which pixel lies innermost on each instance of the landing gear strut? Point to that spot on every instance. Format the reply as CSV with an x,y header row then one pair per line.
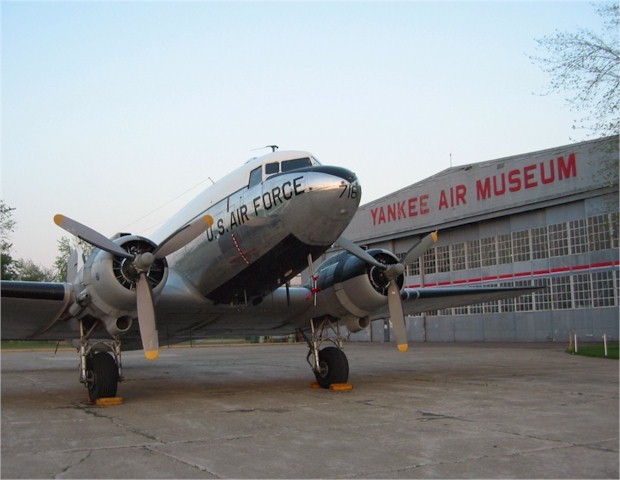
x,y
100,371
329,364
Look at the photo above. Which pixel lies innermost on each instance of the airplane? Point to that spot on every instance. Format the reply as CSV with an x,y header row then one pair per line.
x,y
222,267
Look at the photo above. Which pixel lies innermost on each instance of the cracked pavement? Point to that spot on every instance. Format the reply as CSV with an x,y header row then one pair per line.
x,y
439,411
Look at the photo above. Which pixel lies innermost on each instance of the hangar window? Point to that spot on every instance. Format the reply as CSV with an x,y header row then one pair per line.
x,y
504,248
507,304
578,236
541,299
560,287
443,258
428,261
581,291
539,243
599,232
414,268
603,289
475,309
521,246
458,256
491,306
472,254
558,240
614,229
524,302
488,252
411,269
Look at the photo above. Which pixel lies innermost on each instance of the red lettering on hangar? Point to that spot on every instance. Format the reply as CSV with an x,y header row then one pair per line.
x,y
412,207
530,176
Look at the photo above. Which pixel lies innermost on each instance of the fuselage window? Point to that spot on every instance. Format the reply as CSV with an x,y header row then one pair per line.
x,y
271,168
255,177
288,165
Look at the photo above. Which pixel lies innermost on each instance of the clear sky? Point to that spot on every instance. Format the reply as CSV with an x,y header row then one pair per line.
x,y
116,113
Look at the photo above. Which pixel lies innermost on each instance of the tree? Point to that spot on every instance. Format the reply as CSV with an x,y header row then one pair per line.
x,y
27,270
64,252
20,269
7,226
586,66
66,246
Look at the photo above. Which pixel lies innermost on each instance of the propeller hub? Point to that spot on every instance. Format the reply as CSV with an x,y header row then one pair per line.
x,y
144,261
381,277
394,270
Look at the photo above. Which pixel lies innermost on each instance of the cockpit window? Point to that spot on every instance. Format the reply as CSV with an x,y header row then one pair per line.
x,y
255,176
288,165
271,168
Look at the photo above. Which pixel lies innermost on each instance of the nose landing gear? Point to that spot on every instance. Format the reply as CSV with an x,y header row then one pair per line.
x,y
329,364
100,365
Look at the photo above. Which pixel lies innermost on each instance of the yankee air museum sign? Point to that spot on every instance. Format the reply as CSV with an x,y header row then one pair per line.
x,y
474,190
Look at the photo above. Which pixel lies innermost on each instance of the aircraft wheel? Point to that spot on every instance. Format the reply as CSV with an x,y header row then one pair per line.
x,y
102,376
333,367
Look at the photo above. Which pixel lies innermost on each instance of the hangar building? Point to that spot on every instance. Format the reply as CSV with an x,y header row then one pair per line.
x,y
548,217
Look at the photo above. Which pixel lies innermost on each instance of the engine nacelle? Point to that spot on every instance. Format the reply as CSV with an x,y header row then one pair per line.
x,y
108,285
350,289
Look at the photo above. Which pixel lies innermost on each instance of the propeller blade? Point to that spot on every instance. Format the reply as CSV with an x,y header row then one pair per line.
x,y
183,236
397,316
359,252
89,235
419,248
146,318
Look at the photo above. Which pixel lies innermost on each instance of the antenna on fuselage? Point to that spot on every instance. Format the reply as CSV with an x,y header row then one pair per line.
x,y
273,147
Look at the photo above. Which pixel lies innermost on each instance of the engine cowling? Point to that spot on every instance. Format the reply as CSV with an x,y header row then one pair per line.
x,y
350,289
107,283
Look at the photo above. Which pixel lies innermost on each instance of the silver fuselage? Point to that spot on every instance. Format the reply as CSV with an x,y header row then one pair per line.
x,y
263,231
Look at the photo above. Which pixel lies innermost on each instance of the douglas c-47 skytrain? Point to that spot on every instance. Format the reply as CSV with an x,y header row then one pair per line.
x,y
221,267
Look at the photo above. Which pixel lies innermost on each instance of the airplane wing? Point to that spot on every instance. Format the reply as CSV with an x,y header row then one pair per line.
x,y
33,310
39,311
418,300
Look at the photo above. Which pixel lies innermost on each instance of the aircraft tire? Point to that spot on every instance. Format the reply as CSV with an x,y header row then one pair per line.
x,y
102,373
334,367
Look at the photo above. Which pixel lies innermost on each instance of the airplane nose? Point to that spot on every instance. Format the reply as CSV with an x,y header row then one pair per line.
x,y
335,193
329,201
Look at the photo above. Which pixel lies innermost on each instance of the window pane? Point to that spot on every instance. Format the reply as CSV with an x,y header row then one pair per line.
x,y
521,246
272,168
256,176
578,236
599,232
288,165
539,243
458,256
488,252
558,240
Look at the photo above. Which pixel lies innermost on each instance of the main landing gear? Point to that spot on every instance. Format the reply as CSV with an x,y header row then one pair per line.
x,y
329,364
100,365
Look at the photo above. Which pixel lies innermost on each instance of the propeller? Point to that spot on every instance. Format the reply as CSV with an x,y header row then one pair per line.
x,y
391,273
140,265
